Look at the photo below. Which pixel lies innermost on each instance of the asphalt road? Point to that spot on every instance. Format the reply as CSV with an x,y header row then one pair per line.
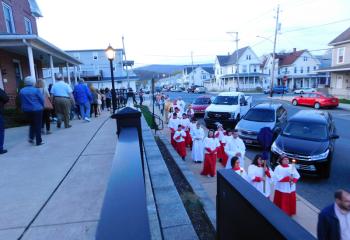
x,y
317,191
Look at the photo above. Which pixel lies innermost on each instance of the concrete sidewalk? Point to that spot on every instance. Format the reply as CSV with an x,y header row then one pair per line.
x,y
55,191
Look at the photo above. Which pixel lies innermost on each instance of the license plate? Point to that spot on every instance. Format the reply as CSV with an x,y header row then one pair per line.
x,y
248,141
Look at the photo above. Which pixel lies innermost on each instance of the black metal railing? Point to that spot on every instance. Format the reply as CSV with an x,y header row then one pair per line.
x,y
158,122
124,212
244,213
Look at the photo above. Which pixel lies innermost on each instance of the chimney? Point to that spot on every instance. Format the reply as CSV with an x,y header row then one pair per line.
x,y
294,50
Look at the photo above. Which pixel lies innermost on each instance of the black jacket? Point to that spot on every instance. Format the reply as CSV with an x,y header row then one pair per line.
x,y
3,100
328,227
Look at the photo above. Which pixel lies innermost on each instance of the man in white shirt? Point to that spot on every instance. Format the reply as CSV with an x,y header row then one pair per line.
x,y
236,148
334,220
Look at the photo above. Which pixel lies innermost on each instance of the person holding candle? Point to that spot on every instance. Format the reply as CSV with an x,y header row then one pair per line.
x,y
210,151
237,168
179,138
259,175
286,177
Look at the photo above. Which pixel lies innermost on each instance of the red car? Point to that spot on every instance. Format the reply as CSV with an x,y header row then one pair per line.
x,y
316,100
200,104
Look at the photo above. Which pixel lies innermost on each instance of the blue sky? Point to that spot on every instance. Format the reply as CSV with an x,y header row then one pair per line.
x,y
162,31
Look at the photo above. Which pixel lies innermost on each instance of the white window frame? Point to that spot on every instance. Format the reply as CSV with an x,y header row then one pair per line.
x,y
4,5
305,58
28,23
338,52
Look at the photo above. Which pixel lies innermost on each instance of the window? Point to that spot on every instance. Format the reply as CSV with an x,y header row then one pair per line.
x,y
301,70
95,55
305,59
308,69
340,58
295,69
204,76
315,67
244,68
28,26
248,57
285,70
10,26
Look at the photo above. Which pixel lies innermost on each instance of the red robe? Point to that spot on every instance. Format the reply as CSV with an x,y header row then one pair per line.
x,y
209,166
179,138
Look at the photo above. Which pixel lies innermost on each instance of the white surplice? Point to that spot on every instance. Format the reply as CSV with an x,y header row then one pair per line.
x,y
198,144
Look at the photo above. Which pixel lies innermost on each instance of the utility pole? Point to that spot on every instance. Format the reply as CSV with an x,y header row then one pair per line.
x,y
192,67
237,65
274,53
126,64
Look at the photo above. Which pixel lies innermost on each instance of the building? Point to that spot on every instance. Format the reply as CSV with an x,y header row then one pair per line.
x,y
296,69
197,75
22,51
95,68
340,69
243,65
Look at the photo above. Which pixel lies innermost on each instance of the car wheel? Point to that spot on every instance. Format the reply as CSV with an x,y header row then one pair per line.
x,y
325,170
317,106
295,102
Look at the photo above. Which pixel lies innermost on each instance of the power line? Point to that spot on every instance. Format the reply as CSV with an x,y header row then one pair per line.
x,y
316,26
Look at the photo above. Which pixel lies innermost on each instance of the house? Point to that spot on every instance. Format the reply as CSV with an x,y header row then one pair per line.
x,y
95,68
22,51
340,68
243,65
197,75
296,69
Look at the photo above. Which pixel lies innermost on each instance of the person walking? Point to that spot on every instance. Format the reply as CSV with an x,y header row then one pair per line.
x,y
32,104
179,138
83,98
235,165
210,147
103,99
108,95
285,178
168,109
94,100
334,220
46,122
63,98
198,147
141,96
173,124
3,100
99,102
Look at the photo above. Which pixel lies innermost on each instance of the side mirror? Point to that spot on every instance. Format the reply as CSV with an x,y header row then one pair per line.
x,y
334,136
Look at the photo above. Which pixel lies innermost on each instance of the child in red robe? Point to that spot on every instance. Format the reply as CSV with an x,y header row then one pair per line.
x,y
210,150
179,137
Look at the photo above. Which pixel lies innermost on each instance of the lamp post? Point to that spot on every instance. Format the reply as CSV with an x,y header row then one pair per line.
x,y
110,53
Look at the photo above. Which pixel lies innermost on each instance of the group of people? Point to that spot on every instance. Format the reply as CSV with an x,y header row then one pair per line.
x,y
226,147
57,102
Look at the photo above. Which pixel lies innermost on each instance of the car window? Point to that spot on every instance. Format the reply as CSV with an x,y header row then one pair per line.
x,y
260,115
308,131
226,100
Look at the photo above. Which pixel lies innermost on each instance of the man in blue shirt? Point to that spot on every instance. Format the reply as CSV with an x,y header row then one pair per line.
x,y
32,103
83,98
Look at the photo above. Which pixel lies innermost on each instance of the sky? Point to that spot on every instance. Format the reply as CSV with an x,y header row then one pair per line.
x,y
167,32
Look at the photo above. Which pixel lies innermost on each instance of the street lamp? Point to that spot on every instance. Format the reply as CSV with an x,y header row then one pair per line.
x,y
273,63
110,53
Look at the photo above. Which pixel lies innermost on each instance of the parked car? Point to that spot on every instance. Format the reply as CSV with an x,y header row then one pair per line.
x,y
277,89
200,104
200,90
305,90
192,88
227,109
316,100
272,115
309,138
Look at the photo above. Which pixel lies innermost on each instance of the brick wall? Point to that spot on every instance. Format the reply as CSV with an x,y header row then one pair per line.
x,y
20,9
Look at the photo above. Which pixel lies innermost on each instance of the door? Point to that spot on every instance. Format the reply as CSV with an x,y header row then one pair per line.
x,y
18,74
311,99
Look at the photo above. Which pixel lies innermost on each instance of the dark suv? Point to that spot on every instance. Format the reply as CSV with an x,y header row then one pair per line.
x,y
270,115
309,138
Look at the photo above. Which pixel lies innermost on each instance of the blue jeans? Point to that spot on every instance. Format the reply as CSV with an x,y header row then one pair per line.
x,y
84,110
2,132
35,119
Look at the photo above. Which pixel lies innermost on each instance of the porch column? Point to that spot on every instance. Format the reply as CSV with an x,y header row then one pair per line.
x,y
52,70
68,75
31,61
75,75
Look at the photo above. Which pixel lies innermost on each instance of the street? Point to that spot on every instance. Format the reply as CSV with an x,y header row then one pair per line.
x,y
317,191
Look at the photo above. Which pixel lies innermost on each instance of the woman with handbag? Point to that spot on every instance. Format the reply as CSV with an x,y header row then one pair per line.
x,y
47,106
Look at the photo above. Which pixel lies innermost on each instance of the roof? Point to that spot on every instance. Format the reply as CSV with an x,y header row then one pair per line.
x,y
286,59
267,106
188,70
231,94
209,69
342,38
225,60
42,49
92,50
339,68
34,8
315,116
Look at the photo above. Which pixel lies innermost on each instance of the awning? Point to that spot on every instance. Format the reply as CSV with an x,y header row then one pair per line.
x,y
41,49
340,68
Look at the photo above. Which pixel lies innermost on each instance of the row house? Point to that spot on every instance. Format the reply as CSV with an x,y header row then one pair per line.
x,y
296,69
95,68
197,75
22,51
340,68
240,70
